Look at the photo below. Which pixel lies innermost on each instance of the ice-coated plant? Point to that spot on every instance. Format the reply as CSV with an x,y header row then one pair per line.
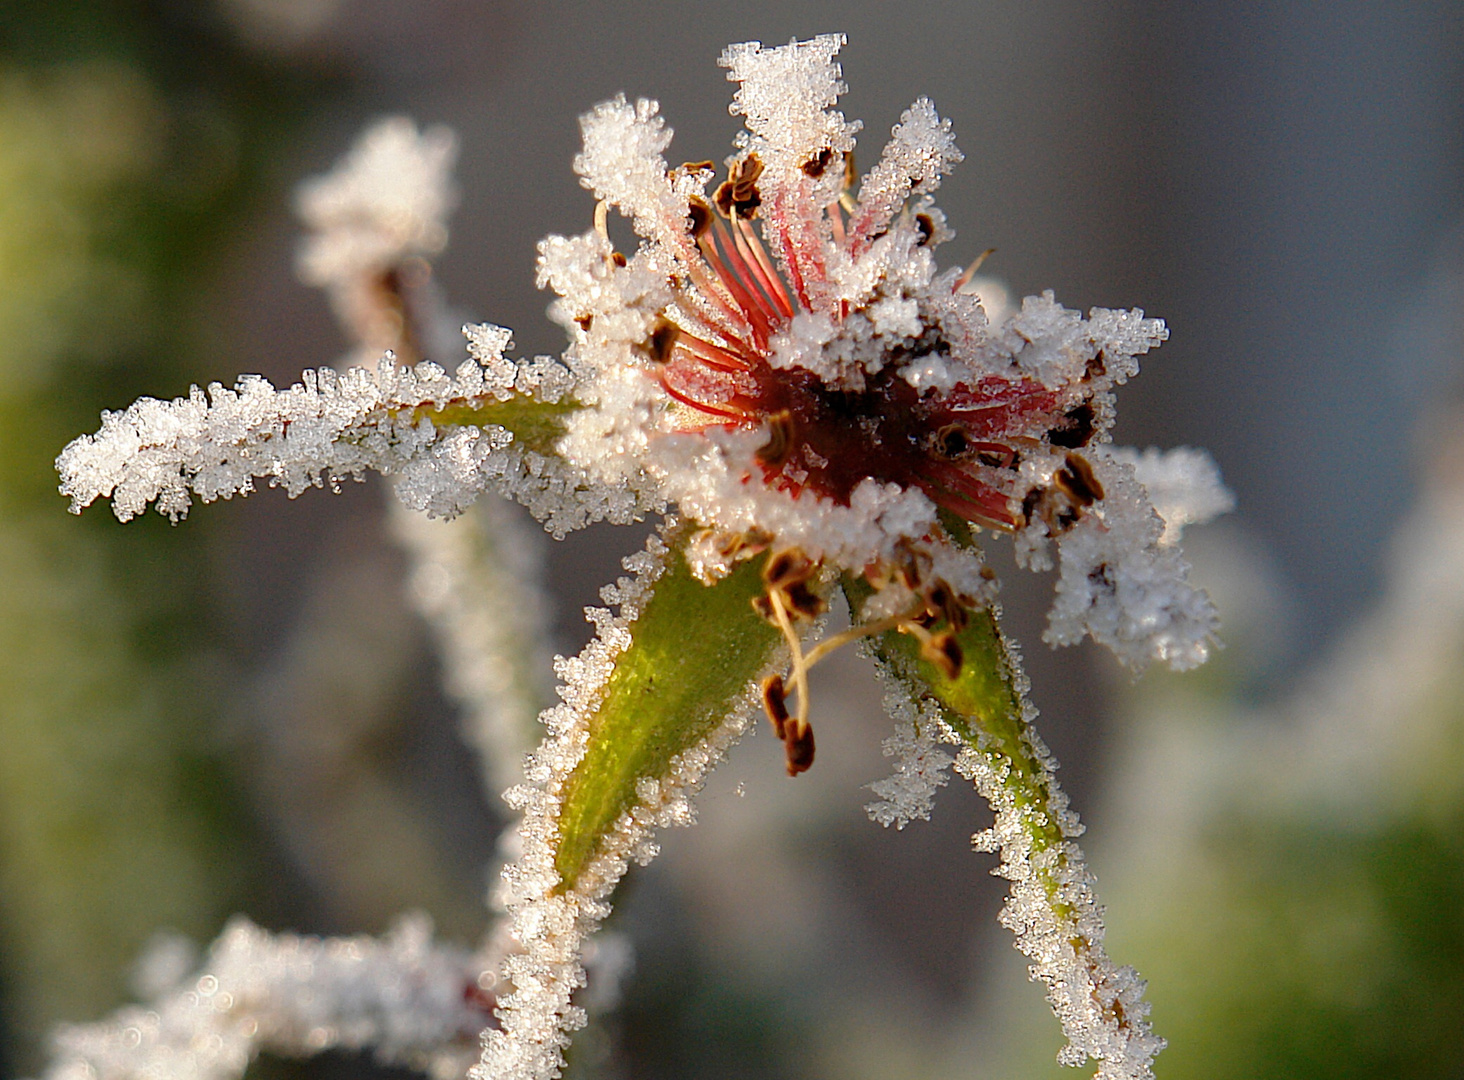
x,y
819,415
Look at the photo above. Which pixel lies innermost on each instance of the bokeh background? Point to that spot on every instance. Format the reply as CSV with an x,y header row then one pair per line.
x,y
243,713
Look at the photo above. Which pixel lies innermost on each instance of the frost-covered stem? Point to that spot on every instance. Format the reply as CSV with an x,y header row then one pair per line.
x,y
409,1000
476,580
1051,908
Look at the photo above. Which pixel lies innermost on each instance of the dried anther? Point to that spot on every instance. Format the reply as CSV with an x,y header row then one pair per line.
x,y
1077,427
1077,481
951,441
775,703
698,217
944,651
817,165
738,195
926,224
798,745
662,340
775,451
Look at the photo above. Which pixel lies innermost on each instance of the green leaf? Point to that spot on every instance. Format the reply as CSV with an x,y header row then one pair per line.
x,y
535,425
694,650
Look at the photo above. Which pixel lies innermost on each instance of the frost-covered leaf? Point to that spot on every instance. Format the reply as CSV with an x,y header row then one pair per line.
x,y
694,650
1051,907
649,707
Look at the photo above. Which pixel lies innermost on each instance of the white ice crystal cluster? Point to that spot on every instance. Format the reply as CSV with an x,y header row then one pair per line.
x,y
326,428
409,1000
1183,484
552,923
921,766
1120,583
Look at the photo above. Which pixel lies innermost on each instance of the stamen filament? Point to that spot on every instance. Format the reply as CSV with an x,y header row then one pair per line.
x,y
970,272
830,644
769,278
836,221
795,646
739,258
711,354
751,311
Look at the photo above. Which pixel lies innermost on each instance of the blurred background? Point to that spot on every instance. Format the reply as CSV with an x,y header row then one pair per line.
x,y
243,713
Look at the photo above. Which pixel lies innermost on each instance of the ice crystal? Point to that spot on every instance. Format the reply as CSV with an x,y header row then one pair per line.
x,y
921,767
1183,484
411,1001
386,202
1051,906
326,428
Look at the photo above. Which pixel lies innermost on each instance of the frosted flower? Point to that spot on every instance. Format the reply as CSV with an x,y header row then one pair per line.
x,y
784,371
783,360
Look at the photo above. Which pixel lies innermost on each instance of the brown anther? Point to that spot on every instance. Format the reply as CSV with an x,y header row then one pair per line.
x,y
690,167
1077,427
817,165
951,441
926,224
1076,480
584,322
987,574
738,196
944,651
698,217
788,574
780,440
745,543
1031,502
911,565
788,567
662,340
1097,367
747,170
802,601
798,745
942,600
850,175
996,460
775,704
618,259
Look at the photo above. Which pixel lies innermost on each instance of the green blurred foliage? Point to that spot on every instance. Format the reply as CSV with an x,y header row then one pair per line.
x,y
130,136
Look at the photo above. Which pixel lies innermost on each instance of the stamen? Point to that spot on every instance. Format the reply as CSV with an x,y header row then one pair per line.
x,y
830,645
713,355
970,272
775,703
775,451
769,279
734,246
836,221
801,738
752,311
